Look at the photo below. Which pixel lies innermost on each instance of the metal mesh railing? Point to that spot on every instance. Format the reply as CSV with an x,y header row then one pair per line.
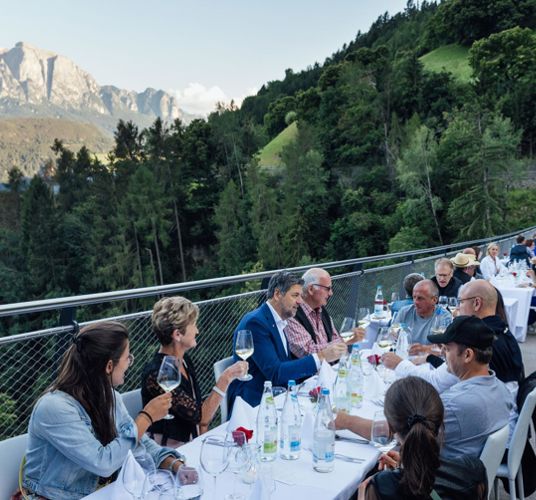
x,y
28,362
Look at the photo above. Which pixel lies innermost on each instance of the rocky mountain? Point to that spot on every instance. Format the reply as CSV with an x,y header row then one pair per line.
x,y
36,82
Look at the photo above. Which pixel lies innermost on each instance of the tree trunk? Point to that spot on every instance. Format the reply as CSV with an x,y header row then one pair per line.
x,y
138,255
158,260
152,265
179,237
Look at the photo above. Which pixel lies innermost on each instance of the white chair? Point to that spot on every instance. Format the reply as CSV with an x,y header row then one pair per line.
x,y
132,401
493,452
512,468
12,451
219,367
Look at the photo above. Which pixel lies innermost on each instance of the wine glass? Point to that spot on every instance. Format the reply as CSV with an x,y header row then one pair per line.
x,y
443,301
453,303
442,319
380,434
159,485
363,317
214,458
244,348
169,376
395,297
279,401
189,483
238,459
385,339
347,328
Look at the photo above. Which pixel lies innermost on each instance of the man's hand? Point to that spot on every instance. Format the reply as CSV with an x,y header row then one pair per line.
x,y
340,420
420,349
358,336
391,360
332,352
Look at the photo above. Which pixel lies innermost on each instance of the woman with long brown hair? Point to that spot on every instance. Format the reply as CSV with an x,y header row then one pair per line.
x,y
414,412
80,431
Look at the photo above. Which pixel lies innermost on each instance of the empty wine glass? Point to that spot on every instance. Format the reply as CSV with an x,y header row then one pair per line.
x,y
159,485
442,319
188,483
347,328
169,376
244,348
238,459
443,301
214,458
395,297
380,433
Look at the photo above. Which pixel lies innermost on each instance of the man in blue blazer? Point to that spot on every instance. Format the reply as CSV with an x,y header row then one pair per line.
x,y
272,359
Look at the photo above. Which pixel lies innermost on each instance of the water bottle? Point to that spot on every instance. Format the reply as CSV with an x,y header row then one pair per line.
x,y
403,342
290,442
355,379
378,302
340,389
267,424
324,436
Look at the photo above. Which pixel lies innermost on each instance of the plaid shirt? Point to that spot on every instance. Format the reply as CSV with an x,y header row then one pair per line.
x,y
300,342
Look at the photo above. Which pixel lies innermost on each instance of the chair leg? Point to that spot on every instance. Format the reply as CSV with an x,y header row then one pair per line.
x,y
520,486
512,483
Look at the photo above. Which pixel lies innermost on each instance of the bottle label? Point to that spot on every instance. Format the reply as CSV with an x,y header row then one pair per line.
x,y
270,441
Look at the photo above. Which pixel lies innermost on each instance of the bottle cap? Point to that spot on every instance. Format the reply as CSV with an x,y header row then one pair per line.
x,y
267,383
325,391
291,383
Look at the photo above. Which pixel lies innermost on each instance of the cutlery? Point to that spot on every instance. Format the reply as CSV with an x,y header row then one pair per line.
x,y
351,439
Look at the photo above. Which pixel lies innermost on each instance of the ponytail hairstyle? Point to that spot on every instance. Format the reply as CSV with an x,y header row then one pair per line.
x,y
414,411
83,374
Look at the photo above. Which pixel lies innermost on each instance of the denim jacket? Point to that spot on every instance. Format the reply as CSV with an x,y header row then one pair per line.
x,y
64,459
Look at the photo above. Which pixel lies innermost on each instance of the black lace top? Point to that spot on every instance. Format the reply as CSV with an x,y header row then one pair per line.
x,y
185,406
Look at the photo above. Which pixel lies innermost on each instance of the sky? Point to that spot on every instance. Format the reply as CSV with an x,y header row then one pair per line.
x,y
201,51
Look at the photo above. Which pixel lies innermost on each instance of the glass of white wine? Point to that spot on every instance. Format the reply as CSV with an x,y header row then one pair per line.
x,y
386,339
244,348
169,376
347,328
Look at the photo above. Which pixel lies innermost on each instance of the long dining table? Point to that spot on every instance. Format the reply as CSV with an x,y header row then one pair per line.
x,y
293,479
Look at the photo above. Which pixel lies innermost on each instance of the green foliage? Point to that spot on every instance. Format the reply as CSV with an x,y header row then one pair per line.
x,y
270,155
451,58
275,118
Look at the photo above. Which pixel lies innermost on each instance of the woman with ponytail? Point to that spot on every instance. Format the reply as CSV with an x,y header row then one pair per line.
x,y
414,412
80,431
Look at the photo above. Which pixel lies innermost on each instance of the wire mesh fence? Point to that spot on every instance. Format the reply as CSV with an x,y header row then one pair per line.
x,y
29,362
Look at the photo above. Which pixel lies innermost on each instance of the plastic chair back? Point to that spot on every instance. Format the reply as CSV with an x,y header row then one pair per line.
x,y
132,401
219,368
12,451
493,452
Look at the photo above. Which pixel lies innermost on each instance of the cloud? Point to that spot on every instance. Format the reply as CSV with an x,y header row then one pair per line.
x,y
201,100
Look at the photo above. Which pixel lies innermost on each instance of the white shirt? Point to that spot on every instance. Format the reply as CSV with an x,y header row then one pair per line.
x,y
490,268
281,324
439,377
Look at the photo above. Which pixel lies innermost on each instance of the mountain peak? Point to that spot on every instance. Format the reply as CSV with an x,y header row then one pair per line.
x,y
35,81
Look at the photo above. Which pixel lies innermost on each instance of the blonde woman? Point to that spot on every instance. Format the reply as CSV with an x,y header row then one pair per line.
x,y
174,322
491,265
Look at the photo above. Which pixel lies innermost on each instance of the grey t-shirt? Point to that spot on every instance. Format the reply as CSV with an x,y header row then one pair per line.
x,y
420,327
474,409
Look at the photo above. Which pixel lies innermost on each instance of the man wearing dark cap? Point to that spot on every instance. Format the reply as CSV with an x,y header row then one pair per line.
x,y
475,407
479,404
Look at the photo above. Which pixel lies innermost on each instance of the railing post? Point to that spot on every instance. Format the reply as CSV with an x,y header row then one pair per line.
x,y
67,317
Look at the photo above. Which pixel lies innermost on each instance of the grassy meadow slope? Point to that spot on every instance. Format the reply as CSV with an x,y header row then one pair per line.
x,y
270,155
25,142
451,58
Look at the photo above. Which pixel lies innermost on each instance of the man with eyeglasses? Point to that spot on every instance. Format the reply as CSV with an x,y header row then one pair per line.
x,y
444,279
311,330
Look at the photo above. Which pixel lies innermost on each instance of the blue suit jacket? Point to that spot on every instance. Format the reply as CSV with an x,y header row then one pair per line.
x,y
269,360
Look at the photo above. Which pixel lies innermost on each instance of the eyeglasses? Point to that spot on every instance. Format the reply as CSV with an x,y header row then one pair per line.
x,y
468,298
130,359
328,288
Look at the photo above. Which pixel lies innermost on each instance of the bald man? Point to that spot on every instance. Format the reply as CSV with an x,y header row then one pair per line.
x,y
311,329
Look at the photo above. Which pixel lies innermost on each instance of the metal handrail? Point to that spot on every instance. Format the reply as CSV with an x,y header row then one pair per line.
x,y
137,293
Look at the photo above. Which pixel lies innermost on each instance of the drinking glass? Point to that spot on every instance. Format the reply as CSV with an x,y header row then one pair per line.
x,y
380,434
363,317
347,328
386,339
238,459
395,297
443,301
159,485
188,483
214,458
442,319
244,348
135,484
279,402
453,303
169,376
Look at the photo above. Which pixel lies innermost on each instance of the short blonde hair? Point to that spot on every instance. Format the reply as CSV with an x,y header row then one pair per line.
x,y
172,313
491,245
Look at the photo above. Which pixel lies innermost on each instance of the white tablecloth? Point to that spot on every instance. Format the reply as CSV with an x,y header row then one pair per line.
x,y
306,483
523,297
510,308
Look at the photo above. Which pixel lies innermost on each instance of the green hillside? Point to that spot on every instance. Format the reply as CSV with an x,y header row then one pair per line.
x,y
270,155
452,58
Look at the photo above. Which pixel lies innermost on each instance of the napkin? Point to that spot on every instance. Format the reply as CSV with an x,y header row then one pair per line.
x,y
132,476
244,415
373,385
326,376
